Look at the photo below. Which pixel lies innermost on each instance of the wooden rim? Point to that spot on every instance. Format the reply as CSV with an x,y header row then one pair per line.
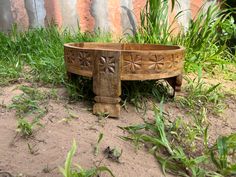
x,y
165,48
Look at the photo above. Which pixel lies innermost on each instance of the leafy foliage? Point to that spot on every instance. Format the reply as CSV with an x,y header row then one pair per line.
x,y
26,128
200,95
37,54
174,157
204,42
223,154
138,92
29,102
67,171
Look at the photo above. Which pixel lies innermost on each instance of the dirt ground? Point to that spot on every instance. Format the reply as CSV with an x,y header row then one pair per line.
x,y
54,139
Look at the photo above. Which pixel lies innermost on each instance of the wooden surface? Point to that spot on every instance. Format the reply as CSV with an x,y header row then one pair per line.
x,y
79,61
151,64
107,83
109,63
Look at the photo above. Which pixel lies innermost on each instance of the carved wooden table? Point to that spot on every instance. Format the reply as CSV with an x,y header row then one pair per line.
x,y
110,63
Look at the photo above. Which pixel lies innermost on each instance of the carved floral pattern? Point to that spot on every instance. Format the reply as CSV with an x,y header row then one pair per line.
x,y
156,62
107,64
153,63
70,56
177,58
84,60
169,62
132,63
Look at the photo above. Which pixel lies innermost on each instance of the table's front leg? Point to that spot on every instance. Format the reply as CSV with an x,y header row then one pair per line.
x,y
107,83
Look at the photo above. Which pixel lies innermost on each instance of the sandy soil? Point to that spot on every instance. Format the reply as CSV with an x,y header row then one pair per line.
x,y
53,141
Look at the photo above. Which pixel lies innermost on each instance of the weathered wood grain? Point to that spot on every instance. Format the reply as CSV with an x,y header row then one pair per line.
x,y
107,83
110,63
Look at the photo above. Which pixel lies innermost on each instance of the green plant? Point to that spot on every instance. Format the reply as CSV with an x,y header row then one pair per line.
x,y
223,154
228,29
155,27
37,54
203,47
67,171
79,88
167,142
139,92
172,159
96,148
190,134
205,44
25,127
199,94
28,102
102,117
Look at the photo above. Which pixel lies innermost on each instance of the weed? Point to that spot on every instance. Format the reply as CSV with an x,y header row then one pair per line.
x,y
53,94
223,154
96,148
205,47
205,44
28,102
199,95
80,88
176,158
67,171
102,117
190,134
40,51
226,73
138,92
155,27
25,127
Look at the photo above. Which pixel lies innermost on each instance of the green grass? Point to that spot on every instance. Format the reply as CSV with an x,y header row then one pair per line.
x,y
29,105
181,148
138,93
201,95
205,40
29,102
171,144
69,171
96,147
26,128
37,54
204,43
226,72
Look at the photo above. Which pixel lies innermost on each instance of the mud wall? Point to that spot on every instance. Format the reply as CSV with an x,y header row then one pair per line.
x,y
117,16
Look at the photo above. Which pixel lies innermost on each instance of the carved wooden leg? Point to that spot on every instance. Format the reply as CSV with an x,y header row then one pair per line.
x,y
178,82
175,82
107,83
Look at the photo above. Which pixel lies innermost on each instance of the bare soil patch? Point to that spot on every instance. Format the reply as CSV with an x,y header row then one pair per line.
x,y
52,142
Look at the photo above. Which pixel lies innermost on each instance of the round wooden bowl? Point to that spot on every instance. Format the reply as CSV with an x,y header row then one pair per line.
x,y
109,63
